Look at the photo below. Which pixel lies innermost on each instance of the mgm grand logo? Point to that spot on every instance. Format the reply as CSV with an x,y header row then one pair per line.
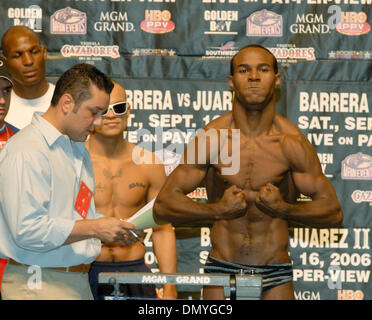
x,y
181,279
357,166
264,23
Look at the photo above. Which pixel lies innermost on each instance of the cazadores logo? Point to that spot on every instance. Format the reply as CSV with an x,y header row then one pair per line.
x,y
69,50
360,196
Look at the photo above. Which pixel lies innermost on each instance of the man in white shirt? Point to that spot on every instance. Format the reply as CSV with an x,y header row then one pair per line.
x,y
6,129
49,228
27,59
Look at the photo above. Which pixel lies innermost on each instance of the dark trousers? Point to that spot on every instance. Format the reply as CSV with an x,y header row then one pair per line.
x,y
105,291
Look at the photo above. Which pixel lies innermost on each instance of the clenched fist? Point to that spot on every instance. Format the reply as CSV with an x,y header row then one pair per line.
x,y
233,202
269,198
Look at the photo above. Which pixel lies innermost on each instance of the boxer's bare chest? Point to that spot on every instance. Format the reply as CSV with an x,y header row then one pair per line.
x,y
261,160
120,184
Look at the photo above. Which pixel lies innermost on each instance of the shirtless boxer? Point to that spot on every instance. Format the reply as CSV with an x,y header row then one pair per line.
x,y
122,188
251,208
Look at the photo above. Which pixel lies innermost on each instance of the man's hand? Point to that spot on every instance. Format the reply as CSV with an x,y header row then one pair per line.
x,y
129,239
269,199
233,202
111,229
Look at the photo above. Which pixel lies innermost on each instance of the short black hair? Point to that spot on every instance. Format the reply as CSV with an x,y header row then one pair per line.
x,y
275,65
77,81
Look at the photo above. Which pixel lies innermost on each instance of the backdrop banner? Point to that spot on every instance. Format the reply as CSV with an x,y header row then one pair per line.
x,y
173,58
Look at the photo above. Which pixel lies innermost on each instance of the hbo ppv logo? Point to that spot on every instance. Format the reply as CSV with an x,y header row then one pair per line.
x,y
350,295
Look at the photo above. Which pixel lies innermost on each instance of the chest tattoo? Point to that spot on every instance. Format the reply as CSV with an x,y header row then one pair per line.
x,y
110,175
100,187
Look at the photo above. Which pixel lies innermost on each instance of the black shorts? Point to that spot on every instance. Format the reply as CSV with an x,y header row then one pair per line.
x,y
272,274
105,291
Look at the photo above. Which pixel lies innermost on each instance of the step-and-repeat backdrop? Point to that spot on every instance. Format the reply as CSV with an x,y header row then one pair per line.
x,y
173,56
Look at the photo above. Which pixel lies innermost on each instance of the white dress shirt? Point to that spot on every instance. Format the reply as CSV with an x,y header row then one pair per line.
x,y
40,174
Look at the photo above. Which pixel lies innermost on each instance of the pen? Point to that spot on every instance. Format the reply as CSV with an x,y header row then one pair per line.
x,y
134,235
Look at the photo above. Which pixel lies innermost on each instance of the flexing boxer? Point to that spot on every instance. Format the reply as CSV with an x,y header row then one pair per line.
x,y
252,206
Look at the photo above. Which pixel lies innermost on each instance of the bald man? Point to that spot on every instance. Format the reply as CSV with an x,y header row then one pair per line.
x,y
27,60
122,188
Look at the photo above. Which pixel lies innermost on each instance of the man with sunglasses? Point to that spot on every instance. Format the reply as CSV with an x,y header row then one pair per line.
x,y
122,188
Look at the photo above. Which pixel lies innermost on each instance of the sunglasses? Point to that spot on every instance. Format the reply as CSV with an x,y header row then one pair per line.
x,y
118,108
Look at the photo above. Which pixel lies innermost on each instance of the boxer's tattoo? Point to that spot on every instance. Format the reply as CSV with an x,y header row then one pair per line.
x,y
100,187
111,176
137,184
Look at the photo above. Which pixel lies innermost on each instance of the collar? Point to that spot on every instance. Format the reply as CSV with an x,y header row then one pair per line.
x,y
49,132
